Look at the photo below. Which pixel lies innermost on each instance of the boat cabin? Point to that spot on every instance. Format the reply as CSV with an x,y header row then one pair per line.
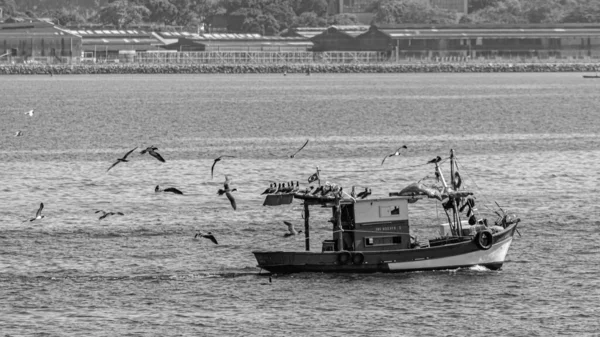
x,y
370,225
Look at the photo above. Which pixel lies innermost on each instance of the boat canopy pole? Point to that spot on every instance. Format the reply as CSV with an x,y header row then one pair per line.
x,y
306,227
338,221
454,205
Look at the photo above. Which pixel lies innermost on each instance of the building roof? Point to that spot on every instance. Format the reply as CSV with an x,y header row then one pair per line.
x,y
489,31
33,28
310,32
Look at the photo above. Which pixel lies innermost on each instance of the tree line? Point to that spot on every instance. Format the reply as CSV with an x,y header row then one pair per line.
x,y
270,17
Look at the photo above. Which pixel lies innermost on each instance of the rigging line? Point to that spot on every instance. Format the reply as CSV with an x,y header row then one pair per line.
x,y
474,183
374,170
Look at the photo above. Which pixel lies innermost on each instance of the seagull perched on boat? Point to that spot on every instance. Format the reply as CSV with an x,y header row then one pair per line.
x,y
106,214
364,193
122,160
18,133
152,151
207,236
300,149
168,189
291,228
215,162
227,191
397,153
38,214
435,160
30,113
272,189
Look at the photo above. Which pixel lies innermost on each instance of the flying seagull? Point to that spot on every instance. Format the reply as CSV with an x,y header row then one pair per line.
x,y
215,162
30,113
18,133
291,229
106,214
122,160
300,149
435,160
152,151
207,236
227,191
168,189
397,153
38,214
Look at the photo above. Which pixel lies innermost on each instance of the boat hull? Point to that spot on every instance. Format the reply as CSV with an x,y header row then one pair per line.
x,y
448,256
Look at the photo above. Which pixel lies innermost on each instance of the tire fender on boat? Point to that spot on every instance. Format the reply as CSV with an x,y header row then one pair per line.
x,y
344,258
358,258
484,240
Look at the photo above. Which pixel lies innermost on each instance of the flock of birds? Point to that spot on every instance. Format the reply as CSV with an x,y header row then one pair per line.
x,y
227,190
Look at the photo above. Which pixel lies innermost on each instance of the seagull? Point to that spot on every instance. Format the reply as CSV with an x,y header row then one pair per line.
x,y
435,160
227,192
397,153
168,189
151,150
272,189
106,214
123,160
207,236
30,113
38,214
291,229
18,133
215,162
364,193
295,153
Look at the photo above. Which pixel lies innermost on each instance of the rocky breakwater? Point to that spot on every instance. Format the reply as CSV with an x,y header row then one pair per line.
x,y
139,68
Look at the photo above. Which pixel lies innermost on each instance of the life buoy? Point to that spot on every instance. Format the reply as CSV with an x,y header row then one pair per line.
x,y
484,239
344,258
358,258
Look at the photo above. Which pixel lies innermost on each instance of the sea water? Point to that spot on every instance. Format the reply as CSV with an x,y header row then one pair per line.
x,y
529,142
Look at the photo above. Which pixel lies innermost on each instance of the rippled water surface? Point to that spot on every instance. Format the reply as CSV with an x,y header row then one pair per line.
x,y
528,141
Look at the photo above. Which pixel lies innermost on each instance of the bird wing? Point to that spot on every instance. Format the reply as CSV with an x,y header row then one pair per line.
x,y
213,166
113,165
231,200
384,158
290,226
157,156
300,149
173,189
128,153
120,213
103,216
212,238
39,211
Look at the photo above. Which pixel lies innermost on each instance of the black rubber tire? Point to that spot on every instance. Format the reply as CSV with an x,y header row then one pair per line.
x,y
344,258
358,258
484,240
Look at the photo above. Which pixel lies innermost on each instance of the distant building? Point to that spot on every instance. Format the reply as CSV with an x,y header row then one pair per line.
x,y
30,40
359,7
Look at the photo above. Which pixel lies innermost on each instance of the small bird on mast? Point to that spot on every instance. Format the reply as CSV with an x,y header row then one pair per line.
x,y
122,160
152,151
215,162
435,160
397,153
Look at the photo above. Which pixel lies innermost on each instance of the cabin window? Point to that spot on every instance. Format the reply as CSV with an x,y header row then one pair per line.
x,y
383,240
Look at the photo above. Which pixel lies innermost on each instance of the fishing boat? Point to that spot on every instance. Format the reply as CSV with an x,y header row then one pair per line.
x,y
373,234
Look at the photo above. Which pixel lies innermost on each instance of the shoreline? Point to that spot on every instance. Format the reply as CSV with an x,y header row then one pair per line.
x,y
138,68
